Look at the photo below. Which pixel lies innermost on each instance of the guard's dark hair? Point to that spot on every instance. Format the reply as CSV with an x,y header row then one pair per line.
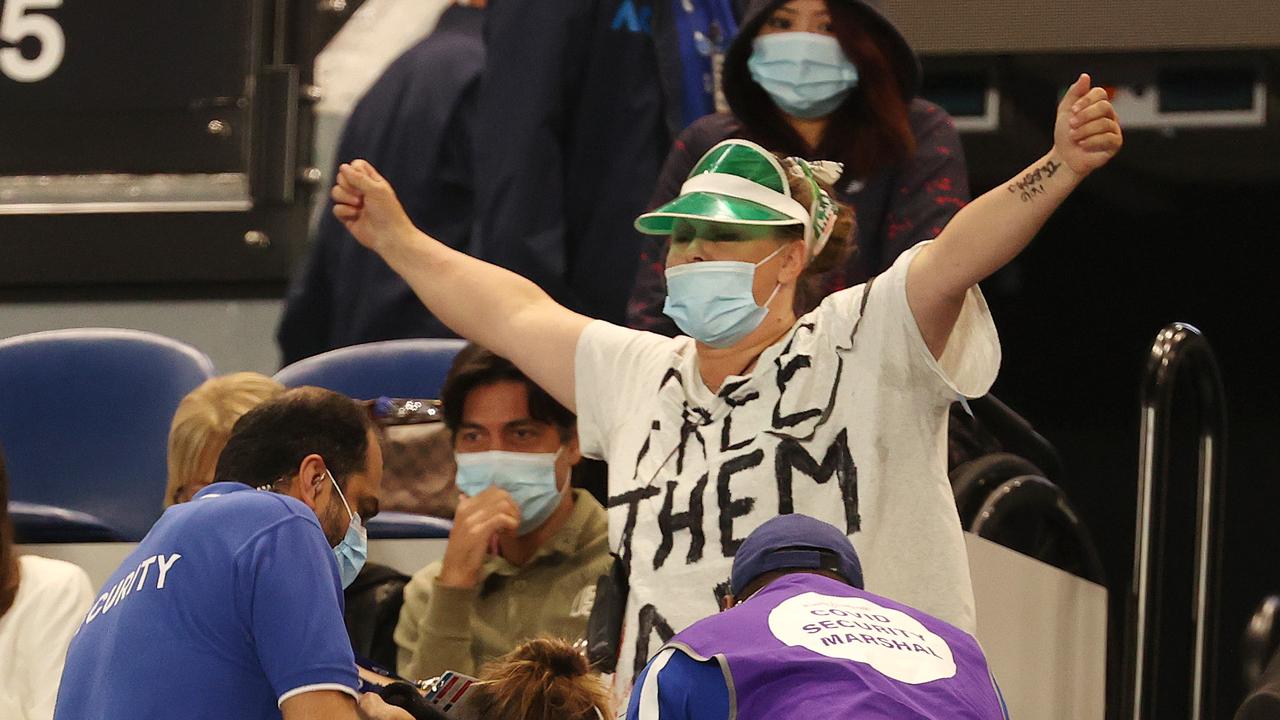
x,y
268,443
9,575
476,366
869,131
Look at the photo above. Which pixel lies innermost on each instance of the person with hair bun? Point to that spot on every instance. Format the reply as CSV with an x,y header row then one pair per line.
x,y
839,413
832,79
542,679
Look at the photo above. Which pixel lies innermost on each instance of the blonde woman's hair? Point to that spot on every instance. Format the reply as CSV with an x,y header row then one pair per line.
x,y
544,679
203,423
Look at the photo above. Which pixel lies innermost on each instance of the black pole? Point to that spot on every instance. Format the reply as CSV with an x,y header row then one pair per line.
x,y
1177,348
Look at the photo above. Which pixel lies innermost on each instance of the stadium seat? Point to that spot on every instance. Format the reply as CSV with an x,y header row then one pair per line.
x,y
35,523
1031,515
1004,490
84,422
392,368
974,481
387,525
413,368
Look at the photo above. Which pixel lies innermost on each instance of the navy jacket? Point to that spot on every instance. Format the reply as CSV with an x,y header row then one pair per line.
x,y
414,125
571,131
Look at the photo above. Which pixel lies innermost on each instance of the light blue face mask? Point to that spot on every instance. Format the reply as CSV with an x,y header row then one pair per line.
x,y
530,478
713,303
806,74
354,548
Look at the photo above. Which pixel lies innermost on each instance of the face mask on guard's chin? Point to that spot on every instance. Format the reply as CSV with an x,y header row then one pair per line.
x,y
352,551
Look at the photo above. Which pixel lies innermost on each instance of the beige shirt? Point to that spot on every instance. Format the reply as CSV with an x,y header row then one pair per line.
x,y
443,628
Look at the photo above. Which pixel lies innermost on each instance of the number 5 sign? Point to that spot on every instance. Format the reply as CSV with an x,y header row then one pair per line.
x,y
20,20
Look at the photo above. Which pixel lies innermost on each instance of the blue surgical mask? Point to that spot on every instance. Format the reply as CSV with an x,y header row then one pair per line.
x,y
354,548
530,478
806,74
713,303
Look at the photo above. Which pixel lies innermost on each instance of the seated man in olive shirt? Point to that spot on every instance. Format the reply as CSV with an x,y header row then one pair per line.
x,y
526,549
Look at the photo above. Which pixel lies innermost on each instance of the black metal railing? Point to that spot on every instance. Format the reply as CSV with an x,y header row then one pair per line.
x,y
1178,349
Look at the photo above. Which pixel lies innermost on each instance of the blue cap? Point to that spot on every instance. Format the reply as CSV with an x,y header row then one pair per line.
x,y
794,541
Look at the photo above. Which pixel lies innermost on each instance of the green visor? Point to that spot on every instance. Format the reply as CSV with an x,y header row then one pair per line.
x,y
710,207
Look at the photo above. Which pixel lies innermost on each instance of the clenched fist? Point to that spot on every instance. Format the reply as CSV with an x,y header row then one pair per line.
x,y
1087,132
367,205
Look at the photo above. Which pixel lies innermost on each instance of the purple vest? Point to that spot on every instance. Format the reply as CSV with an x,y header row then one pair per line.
x,y
810,647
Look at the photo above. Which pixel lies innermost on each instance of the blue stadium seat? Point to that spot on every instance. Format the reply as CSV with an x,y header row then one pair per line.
x,y
392,368
413,368
35,523
84,420
387,525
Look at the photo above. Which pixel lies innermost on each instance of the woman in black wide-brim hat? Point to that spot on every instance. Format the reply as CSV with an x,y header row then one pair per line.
x,y
904,171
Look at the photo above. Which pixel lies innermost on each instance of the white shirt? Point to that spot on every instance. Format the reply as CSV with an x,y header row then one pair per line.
x,y
849,429
52,599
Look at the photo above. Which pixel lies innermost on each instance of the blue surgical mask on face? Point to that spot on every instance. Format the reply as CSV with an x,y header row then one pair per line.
x,y
806,74
354,548
530,478
713,303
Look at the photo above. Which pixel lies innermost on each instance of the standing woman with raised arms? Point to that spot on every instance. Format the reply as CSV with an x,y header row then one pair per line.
x,y
840,414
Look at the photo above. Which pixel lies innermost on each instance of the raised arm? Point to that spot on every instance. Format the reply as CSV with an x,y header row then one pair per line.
x,y
994,228
484,303
536,52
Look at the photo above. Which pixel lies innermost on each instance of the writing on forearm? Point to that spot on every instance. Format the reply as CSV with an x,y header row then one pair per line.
x,y
1030,185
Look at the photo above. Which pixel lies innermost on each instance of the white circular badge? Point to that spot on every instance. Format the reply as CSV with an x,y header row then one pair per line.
x,y
857,629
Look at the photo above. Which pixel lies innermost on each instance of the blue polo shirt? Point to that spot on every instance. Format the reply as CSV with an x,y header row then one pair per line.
x,y
686,690
229,606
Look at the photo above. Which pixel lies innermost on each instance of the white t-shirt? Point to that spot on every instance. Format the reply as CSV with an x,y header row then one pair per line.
x,y
53,597
848,428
